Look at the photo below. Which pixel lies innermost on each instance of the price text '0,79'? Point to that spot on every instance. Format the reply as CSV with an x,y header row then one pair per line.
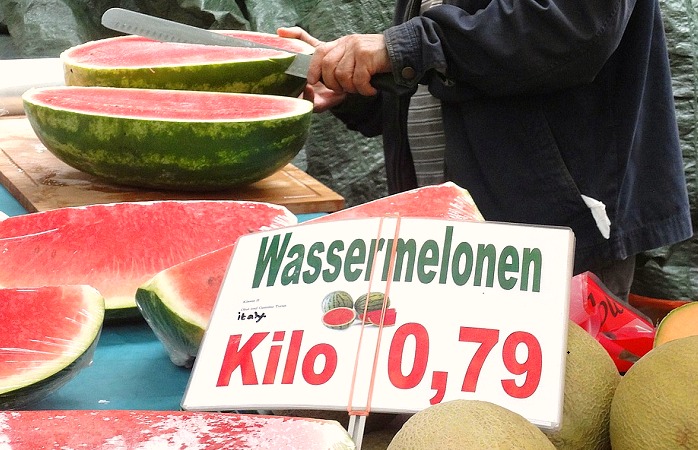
x,y
521,381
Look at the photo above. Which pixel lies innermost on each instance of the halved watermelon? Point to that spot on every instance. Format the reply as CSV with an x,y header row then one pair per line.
x,y
166,139
138,62
177,302
48,335
32,430
117,247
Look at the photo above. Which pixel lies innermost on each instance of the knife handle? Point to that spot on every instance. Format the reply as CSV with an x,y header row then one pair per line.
x,y
386,82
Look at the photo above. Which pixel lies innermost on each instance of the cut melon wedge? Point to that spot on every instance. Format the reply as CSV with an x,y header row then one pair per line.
x,y
177,302
678,323
156,430
117,247
48,335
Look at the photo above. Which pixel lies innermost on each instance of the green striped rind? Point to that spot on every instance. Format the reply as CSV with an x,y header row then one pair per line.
x,y
38,390
181,336
375,302
161,154
17,393
263,76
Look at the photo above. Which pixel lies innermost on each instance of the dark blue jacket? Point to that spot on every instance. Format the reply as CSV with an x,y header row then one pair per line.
x,y
544,101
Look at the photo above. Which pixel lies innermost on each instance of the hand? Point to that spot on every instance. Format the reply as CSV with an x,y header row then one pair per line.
x,y
322,97
347,64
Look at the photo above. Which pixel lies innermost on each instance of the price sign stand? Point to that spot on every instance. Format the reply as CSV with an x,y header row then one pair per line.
x,y
474,310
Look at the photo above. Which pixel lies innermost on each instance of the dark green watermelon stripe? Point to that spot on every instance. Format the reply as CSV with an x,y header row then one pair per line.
x,y
180,337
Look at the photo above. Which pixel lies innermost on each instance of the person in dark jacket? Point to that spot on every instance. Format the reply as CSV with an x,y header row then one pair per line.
x,y
555,112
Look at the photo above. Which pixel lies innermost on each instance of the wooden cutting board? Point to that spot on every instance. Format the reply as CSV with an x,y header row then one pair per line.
x,y
39,181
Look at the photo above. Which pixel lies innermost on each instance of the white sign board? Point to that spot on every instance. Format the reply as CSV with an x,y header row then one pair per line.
x,y
477,310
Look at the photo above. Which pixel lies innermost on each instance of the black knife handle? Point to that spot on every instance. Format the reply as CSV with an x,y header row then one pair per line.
x,y
386,82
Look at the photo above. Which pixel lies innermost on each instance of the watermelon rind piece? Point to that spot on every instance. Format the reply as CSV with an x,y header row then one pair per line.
x,y
40,363
138,62
177,302
173,140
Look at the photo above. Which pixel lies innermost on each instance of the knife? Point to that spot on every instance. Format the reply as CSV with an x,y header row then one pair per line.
x,y
159,29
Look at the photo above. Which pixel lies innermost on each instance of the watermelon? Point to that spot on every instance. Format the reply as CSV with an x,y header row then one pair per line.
x,y
336,299
339,318
372,302
374,317
177,302
182,297
127,429
166,139
117,247
138,62
48,335
441,201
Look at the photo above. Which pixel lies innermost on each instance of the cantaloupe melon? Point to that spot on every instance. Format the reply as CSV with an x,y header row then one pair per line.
x,y
591,378
680,322
655,406
468,424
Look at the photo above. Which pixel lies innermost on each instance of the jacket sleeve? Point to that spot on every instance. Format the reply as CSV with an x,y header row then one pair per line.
x,y
508,47
362,114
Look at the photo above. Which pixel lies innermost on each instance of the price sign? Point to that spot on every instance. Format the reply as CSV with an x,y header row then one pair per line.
x,y
391,315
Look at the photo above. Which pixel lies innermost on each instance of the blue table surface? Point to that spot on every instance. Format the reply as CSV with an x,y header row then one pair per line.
x,y
130,368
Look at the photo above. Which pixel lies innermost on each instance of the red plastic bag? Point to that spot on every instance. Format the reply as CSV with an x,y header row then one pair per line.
x,y
624,332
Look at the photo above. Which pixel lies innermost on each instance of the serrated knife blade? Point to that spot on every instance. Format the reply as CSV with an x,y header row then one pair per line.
x,y
159,29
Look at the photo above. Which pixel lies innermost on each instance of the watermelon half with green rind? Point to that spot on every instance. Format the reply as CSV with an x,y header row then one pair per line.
x,y
48,335
138,62
167,139
177,302
117,247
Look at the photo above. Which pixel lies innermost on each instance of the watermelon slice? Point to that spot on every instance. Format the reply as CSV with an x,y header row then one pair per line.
x,y
48,335
374,317
138,62
165,139
31,430
177,302
117,247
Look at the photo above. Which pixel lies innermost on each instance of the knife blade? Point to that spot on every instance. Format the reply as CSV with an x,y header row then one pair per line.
x,y
132,22
159,29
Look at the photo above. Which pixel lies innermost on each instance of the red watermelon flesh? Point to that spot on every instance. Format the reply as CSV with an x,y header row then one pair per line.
x,y
137,51
117,247
171,105
48,335
31,430
374,317
442,201
178,301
